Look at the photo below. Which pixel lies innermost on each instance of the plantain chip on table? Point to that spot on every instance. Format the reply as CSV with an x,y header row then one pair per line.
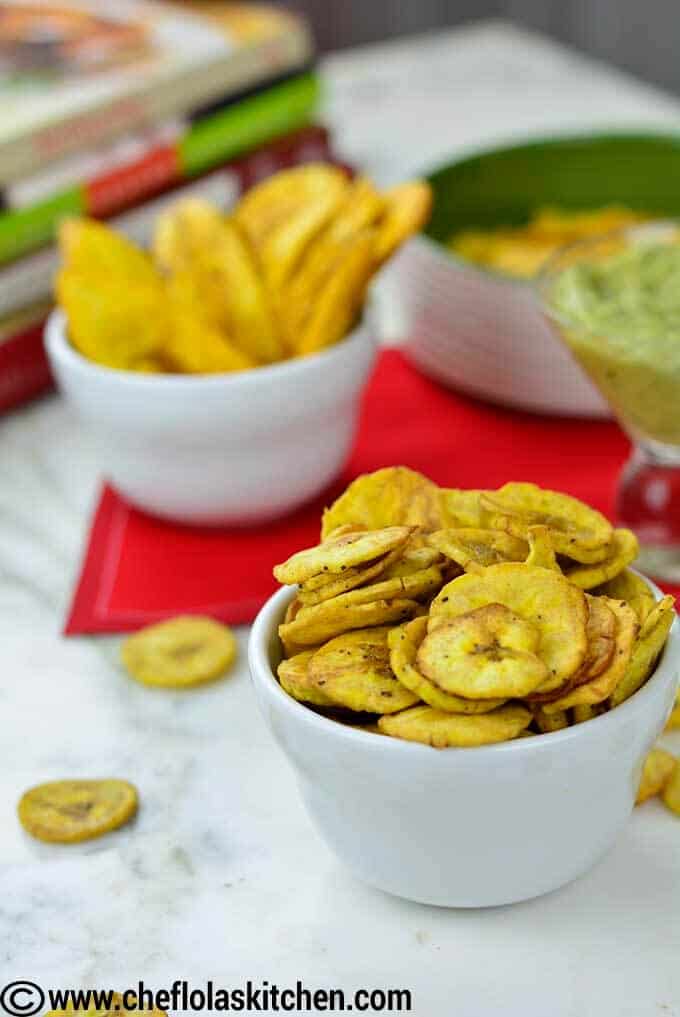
x,y
460,618
284,275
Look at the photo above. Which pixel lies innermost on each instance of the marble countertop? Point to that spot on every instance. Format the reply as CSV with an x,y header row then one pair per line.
x,y
222,876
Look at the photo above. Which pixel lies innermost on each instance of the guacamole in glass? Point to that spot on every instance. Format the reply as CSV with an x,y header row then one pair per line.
x,y
618,306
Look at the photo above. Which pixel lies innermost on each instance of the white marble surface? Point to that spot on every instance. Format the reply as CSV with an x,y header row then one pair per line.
x,y
222,876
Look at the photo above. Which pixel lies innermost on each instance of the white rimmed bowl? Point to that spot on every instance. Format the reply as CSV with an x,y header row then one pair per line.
x,y
465,827
228,449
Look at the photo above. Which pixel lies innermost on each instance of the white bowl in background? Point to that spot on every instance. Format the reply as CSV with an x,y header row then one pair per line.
x,y
227,449
464,827
484,335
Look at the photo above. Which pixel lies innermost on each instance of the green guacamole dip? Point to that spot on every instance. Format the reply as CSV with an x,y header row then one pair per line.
x,y
621,317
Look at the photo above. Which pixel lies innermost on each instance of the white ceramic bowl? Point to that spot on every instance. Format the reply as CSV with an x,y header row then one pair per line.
x,y
485,335
464,827
220,449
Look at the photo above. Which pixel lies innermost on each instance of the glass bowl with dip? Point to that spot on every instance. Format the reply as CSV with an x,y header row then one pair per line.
x,y
615,301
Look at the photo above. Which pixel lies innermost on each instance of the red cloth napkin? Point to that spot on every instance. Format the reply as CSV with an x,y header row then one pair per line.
x,y
138,570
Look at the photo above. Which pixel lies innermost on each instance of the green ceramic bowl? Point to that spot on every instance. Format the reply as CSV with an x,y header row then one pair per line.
x,y
482,333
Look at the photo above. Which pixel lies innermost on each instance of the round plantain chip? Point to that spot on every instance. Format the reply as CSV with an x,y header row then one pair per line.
x,y
296,680
488,653
462,508
623,549
408,208
180,653
475,549
320,588
394,496
450,730
545,598
632,588
576,530
657,771
586,711
336,554
548,722
404,642
415,586
597,689
69,811
645,653
321,622
354,671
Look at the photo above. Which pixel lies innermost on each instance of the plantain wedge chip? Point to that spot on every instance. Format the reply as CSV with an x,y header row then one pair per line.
x,y
545,598
451,730
183,234
651,641
344,551
488,653
394,496
339,301
295,679
623,549
317,624
576,530
179,653
476,549
658,769
69,811
598,689
354,671
404,642
407,209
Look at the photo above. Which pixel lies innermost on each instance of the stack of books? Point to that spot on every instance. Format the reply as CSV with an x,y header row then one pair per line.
x,y
114,108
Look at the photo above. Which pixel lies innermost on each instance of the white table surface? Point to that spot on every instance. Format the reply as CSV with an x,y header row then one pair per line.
x,y
222,876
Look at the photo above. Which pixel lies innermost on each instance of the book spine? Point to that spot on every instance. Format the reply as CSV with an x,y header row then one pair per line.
x,y
290,46
221,136
24,371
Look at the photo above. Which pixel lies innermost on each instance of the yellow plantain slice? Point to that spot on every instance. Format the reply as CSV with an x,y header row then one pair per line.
x,y
282,195
586,711
404,642
179,653
632,588
92,250
354,671
462,508
413,560
117,1007
557,608
601,687
338,303
415,586
184,233
336,554
476,549
69,811
541,550
657,771
671,792
623,549
295,679
316,625
651,641
576,530
321,587
489,653
394,496
547,722
193,343
451,730
408,208
360,208
284,247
